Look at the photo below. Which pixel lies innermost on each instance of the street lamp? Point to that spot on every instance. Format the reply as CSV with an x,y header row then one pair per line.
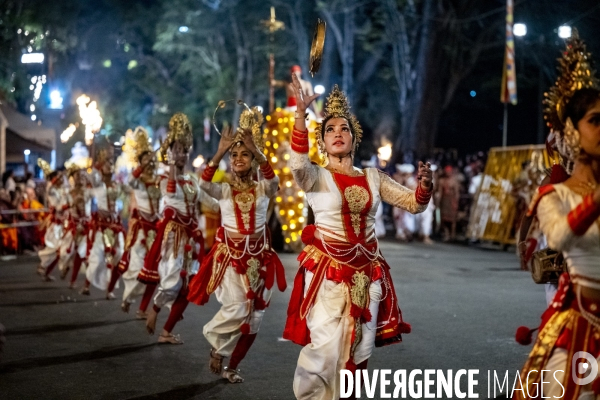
x,y
519,29
56,100
564,31
183,29
32,58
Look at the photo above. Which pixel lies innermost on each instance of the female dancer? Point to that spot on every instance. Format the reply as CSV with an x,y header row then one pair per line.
x,y
568,215
105,238
79,223
142,224
179,246
343,303
241,267
57,202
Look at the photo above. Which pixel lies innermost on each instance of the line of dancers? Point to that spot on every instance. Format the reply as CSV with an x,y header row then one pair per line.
x,y
343,302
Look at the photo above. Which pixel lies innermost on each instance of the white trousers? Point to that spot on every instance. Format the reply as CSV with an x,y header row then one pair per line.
x,y
137,254
223,331
317,375
97,272
169,271
69,248
53,241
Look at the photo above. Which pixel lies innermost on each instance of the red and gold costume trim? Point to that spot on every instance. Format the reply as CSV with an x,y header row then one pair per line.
x,y
110,227
541,192
356,204
355,271
267,171
137,222
209,172
300,141
564,327
185,229
264,265
584,215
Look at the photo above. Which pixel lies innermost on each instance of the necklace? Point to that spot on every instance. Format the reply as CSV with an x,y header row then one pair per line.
x,y
337,171
242,183
585,187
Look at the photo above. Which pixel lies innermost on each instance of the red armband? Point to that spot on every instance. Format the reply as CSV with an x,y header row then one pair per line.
x,y
267,171
423,196
171,186
137,172
208,173
584,215
300,141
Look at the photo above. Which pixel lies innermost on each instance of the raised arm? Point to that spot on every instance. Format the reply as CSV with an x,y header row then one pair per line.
x,y
563,226
413,201
214,189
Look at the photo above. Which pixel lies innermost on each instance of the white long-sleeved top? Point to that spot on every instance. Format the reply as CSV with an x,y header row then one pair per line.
x,y
325,198
106,196
57,198
187,185
582,253
147,195
264,191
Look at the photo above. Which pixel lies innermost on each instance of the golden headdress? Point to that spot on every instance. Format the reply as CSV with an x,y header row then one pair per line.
x,y
43,164
251,119
136,144
337,106
180,130
575,72
71,168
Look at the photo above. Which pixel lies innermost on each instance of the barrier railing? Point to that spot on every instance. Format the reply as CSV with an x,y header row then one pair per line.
x,y
11,242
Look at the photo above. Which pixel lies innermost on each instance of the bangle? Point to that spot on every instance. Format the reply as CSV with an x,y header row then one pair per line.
x,y
297,116
212,164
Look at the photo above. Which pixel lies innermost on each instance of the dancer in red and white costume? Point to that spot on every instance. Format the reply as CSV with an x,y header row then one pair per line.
x,y
569,217
343,303
106,235
179,245
79,219
57,202
241,267
143,222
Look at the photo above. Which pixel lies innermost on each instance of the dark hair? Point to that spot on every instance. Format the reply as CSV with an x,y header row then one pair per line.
x,y
142,155
579,104
52,175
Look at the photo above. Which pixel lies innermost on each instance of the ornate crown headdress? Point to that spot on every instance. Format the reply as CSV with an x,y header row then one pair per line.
x,y
575,72
180,130
43,164
337,106
251,119
137,143
71,168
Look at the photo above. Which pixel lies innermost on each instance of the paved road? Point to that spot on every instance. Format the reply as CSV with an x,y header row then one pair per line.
x,y
464,305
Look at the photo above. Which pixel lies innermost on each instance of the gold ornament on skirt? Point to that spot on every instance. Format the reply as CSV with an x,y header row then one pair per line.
x,y
337,106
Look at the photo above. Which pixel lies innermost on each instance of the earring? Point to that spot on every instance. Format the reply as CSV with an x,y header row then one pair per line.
x,y
572,138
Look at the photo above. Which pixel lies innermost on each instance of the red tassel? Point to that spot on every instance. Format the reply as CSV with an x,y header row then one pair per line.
x,y
187,248
259,304
524,335
403,327
308,234
69,250
245,329
143,242
366,315
250,295
194,256
183,273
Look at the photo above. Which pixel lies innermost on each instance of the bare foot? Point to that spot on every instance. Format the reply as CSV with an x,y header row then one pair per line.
x,y
215,364
125,306
48,278
110,296
169,338
40,270
139,314
151,322
232,375
85,291
63,273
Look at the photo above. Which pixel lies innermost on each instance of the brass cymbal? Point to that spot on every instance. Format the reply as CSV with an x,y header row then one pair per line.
x,y
316,50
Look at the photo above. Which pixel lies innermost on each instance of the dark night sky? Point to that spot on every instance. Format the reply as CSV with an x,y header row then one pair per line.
x,y
475,123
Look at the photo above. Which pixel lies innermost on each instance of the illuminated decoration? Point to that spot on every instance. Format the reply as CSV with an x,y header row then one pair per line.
x,y
290,203
37,86
80,156
32,58
519,29
183,29
494,213
90,117
384,153
68,133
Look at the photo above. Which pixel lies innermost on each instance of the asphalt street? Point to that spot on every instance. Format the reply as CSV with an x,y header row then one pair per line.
x,y
464,305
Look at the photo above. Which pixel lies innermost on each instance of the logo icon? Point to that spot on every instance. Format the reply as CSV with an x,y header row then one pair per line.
x,y
584,372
